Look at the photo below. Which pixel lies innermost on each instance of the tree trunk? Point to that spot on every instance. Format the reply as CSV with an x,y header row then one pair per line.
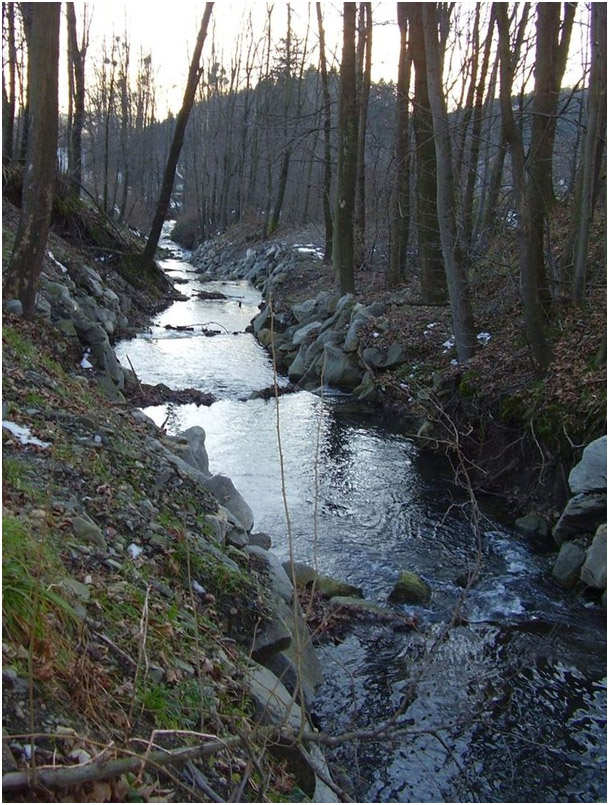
x,y
433,276
364,67
463,322
596,108
527,240
76,67
401,189
327,182
346,170
38,184
8,95
194,74
550,63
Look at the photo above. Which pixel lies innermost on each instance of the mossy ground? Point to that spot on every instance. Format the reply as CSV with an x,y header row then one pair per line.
x,y
103,648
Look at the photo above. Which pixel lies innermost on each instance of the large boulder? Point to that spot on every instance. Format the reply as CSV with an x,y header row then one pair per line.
x,y
339,369
582,515
594,570
590,475
190,447
568,563
226,493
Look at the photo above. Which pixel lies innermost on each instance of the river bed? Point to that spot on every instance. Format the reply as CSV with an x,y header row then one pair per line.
x,y
509,705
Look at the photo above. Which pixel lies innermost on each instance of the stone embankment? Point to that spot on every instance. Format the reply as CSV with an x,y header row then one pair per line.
x,y
317,341
279,669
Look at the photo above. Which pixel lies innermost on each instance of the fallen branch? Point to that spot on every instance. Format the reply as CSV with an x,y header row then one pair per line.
x,y
61,777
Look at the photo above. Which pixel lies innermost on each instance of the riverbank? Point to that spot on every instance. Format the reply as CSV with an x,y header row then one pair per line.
x,y
139,610
520,433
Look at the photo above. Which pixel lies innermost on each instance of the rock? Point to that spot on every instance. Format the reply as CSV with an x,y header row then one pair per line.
x,y
275,635
86,530
303,334
594,571
226,493
570,559
300,573
410,589
533,524
102,355
366,391
582,515
237,537
217,526
76,589
190,446
273,703
260,539
331,588
14,307
271,566
590,475
340,370
304,575
358,604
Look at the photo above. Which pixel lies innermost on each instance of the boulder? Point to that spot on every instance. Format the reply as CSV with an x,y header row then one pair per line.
x,y
340,370
226,493
582,515
590,475
271,566
568,564
366,391
304,575
303,334
594,570
190,447
93,335
261,539
86,530
534,525
410,589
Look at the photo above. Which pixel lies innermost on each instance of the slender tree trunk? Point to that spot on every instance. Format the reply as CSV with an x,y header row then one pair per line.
x,y
401,189
364,67
595,132
463,322
194,75
433,276
327,182
550,64
527,240
346,172
77,74
25,265
8,95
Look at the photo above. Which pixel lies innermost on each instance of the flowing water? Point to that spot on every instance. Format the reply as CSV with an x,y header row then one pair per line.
x,y
507,706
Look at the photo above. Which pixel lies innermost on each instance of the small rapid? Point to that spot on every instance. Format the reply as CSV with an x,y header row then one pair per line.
x,y
505,704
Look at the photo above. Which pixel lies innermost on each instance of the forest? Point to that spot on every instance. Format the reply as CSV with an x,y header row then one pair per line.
x,y
478,133
400,208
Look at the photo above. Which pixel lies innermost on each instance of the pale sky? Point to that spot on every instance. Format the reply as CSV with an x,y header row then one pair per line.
x,y
168,31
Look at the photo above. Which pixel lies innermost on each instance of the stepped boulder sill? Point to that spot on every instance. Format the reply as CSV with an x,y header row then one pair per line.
x,y
137,570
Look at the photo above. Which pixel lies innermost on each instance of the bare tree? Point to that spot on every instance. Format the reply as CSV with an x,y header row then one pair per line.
x,y
401,190
9,93
346,169
38,184
194,74
76,84
433,277
327,180
528,238
593,147
454,258
363,68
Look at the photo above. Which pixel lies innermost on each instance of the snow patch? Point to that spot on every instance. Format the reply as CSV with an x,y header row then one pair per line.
x,y
61,266
134,550
85,362
23,433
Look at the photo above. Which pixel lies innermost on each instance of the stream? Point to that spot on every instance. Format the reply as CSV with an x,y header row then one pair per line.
x,y
508,706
